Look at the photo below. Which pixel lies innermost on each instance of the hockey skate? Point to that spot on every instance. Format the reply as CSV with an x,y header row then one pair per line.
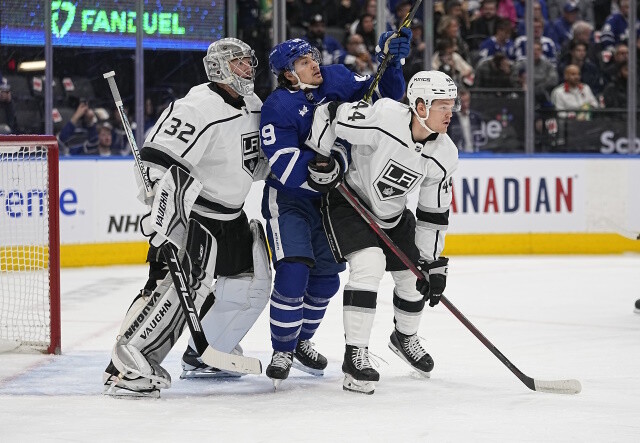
x,y
279,367
194,367
117,384
359,375
637,309
309,360
409,348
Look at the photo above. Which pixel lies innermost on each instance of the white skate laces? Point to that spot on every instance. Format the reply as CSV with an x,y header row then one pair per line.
x,y
281,360
307,347
413,347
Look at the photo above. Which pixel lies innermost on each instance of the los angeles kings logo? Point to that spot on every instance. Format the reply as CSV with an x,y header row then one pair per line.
x,y
395,180
250,152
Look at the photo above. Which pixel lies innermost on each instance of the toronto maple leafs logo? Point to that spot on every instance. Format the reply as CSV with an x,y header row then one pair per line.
x,y
395,180
303,111
250,152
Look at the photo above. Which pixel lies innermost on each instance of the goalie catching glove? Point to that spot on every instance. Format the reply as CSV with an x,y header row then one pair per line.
x,y
435,279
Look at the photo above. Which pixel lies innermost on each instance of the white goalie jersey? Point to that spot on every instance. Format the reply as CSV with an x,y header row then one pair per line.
x,y
387,164
216,140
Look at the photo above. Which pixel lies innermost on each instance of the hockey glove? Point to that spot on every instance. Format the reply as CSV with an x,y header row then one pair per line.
x,y
398,47
435,279
324,174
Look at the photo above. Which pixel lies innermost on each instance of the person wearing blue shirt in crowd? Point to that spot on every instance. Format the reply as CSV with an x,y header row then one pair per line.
x,y
615,27
562,26
499,42
306,273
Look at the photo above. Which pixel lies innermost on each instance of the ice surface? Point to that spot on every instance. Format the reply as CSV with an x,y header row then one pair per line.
x,y
553,317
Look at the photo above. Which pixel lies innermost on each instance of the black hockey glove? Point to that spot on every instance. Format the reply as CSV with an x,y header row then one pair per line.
x,y
435,279
324,174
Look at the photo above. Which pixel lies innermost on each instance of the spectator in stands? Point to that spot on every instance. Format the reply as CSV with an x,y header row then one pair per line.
x,y
547,28
620,57
447,60
582,32
8,122
615,93
415,61
309,9
485,25
78,135
347,12
449,29
465,124
104,145
455,8
120,144
562,26
499,42
549,49
331,51
366,28
589,72
615,27
545,76
494,72
401,10
520,6
573,95
370,8
506,9
358,58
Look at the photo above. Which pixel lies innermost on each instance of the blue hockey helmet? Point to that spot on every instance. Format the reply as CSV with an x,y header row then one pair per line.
x,y
284,55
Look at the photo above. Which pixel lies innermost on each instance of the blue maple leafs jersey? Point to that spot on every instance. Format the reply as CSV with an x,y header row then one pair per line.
x,y
287,116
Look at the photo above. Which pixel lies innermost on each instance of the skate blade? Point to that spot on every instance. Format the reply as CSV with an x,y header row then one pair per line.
x,y
315,372
276,383
221,375
360,386
401,355
119,392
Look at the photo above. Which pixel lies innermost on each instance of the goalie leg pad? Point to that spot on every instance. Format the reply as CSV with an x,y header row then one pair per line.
x,y
408,303
239,299
152,325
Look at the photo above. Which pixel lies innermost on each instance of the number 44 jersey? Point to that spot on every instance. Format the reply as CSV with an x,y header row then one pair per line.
x,y
215,137
387,164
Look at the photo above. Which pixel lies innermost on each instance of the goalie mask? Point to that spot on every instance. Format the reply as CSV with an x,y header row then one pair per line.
x,y
429,86
217,64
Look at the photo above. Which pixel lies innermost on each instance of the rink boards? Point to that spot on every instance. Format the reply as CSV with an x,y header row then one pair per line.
x,y
501,205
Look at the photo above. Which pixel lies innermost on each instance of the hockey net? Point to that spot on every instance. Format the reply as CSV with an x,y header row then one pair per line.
x,y
29,244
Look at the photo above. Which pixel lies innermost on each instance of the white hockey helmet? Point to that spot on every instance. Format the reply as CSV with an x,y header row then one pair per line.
x,y
430,86
216,64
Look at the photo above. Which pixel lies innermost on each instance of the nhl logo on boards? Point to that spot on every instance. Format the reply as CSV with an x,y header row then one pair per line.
x,y
395,180
250,152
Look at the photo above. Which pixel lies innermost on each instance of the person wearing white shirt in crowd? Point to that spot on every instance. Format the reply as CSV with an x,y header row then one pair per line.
x,y
573,94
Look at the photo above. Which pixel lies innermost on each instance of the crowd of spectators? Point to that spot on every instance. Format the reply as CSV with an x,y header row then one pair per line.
x,y
580,56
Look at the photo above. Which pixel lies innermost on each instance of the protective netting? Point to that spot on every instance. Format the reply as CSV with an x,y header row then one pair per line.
x,y
25,319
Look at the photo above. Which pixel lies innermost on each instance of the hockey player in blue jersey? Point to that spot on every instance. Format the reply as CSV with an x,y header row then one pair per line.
x,y
306,272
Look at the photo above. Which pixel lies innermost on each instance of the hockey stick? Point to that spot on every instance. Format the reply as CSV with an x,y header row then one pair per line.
x,y
209,355
553,386
383,66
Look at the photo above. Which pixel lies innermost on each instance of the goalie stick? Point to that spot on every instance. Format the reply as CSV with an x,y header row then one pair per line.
x,y
552,386
209,355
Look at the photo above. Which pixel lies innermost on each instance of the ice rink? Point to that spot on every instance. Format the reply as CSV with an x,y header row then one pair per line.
x,y
553,317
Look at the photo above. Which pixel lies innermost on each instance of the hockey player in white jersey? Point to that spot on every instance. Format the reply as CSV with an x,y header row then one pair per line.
x,y
396,149
210,137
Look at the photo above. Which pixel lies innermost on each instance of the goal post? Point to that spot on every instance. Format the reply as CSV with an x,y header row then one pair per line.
x,y
29,244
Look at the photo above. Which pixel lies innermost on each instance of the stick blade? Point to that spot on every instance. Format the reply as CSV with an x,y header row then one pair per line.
x,y
231,362
558,386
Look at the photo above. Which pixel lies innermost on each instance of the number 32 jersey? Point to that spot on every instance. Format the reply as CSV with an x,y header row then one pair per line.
x,y
215,137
